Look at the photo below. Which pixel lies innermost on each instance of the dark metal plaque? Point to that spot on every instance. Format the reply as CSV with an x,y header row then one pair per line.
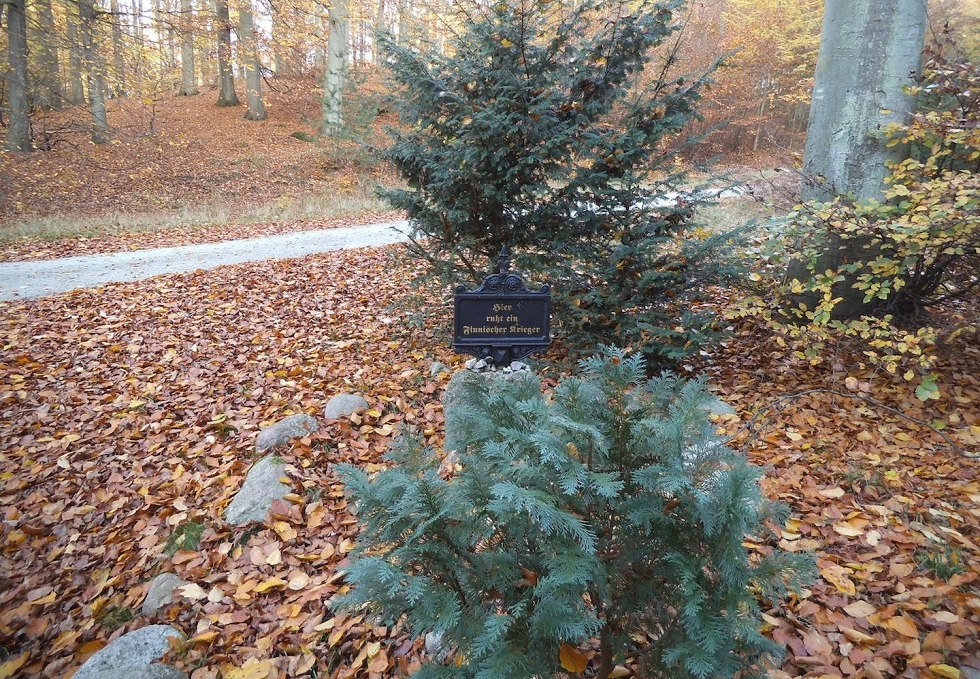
x,y
502,321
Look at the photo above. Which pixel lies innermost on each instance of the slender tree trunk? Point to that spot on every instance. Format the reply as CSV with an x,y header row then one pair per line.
x,y
76,89
118,58
226,80
320,38
139,35
188,79
249,55
19,125
869,51
379,27
49,92
95,71
171,44
332,118
404,24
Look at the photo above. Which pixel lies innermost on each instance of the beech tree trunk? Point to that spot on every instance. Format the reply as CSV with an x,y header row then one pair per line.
x,y
188,78
226,80
95,72
76,89
18,125
249,55
332,118
118,59
869,51
404,24
49,92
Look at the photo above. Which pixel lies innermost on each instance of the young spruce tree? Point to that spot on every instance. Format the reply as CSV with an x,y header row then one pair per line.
x,y
543,128
610,511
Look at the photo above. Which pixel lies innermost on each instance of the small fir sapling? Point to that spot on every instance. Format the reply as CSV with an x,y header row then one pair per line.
x,y
553,127
610,511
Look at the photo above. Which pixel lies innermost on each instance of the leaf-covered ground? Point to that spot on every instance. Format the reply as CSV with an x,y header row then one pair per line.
x,y
129,416
170,152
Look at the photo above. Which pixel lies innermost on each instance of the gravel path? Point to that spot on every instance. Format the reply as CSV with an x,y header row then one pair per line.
x,y
26,280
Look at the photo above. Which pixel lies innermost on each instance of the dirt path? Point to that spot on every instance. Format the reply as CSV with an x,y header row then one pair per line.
x,y
26,280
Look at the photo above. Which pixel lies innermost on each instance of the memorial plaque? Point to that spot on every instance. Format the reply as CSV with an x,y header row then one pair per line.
x,y
502,321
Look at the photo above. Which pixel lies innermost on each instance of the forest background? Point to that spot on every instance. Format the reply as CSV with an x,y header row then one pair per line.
x,y
121,103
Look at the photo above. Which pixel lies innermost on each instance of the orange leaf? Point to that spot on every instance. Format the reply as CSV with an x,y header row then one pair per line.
x,y
572,659
904,625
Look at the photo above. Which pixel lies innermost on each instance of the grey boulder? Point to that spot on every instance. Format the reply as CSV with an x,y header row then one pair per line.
x,y
716,406
343,405
129,656
161,592
141,672
283,431
262,486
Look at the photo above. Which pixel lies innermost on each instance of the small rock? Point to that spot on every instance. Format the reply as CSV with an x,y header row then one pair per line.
x,y
470,363
437,647
716,406
519,365
282,431
161,592
130,656
437,368
480,365
262,486
343,405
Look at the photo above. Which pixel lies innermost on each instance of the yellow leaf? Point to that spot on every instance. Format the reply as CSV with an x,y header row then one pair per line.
x,y
252,669
298,581
49,599
944,670
859,609
271,583
946,616
192,591
11,665
572,659
834,493
204,636
506,43
837,576
859,638
847,529
904,625
284,530
619,672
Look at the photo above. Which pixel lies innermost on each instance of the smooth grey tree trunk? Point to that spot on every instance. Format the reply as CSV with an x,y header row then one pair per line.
x,y
76,88
118,58
869,51
49,93
188,78
18,125
95,72
226,80
332,118
249,54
